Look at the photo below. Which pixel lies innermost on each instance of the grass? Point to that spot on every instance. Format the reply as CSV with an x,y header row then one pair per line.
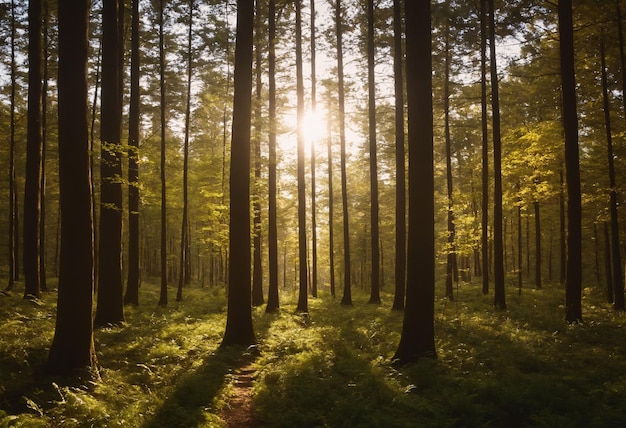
x,y
164,368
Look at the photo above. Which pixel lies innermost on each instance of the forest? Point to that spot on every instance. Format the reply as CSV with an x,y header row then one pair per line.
x,y
315,213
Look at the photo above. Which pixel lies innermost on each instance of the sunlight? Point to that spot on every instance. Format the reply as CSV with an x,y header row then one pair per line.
x,y
314,128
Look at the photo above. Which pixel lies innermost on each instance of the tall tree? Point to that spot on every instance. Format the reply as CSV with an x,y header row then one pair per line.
x,y
257,272
132,286
313,143
72,346
346,299
239,330
400,280
499,299
418,336
32,190
184,237
110,305
374,208
451,266
573,280
618,277
272,295
331,207
13,266
163,292
485,147
302,242
44,137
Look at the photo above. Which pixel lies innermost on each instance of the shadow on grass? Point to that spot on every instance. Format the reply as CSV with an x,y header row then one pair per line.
x,y
194,399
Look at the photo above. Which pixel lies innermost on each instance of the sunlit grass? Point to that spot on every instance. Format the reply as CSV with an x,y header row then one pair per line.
x,y
520,367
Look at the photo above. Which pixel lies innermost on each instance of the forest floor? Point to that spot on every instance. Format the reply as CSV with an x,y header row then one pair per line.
x,y
164,368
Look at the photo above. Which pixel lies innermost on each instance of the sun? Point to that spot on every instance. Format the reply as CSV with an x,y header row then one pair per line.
x,y
314,129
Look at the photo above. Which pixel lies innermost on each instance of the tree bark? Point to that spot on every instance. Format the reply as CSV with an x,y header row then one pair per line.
x,y
573,282
239,330
418,336
163,292
73,347
13,267
485,147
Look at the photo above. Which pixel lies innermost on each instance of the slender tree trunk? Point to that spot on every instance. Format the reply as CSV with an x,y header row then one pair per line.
x,y
562,236
72,348
109,310
184,237
499,300
622,55
272,295
573,283
537,245
313,160
13,267
163,293
44,137
418,336
374,209
451,262
92,138
347,292
331,206
618,278
520,277
607,264
132,287
257,277
303,291
400,271
32,191
485,147
239,330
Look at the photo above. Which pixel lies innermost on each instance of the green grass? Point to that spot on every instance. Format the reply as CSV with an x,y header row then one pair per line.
x,y
164,368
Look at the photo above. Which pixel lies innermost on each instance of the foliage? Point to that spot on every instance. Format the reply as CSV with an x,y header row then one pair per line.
x,y
522,367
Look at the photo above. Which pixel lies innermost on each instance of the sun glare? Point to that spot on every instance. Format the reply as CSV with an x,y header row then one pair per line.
x,y
314,129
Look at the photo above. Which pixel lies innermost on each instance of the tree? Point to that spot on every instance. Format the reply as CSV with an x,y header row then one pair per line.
x,y
618,277
313,187
374,208
72,346
400,280
302,242
239,330
485,148
184,237
573,280
32,189
110,306
272,295
499,300
163,247
132,286
13,265
418,336
347,292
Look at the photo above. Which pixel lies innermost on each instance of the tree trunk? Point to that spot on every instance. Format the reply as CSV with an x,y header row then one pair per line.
x,y
451,262
13,267
331,206
347,292
184,236
163,293
73,347
257,277
562,236
272,295
485,147
520,277
371,84
537,245
607,264
132,287
239,330
44,136
32,190
573,284
400,271
418,336
109,309
618,279
313,160
499,300
302,242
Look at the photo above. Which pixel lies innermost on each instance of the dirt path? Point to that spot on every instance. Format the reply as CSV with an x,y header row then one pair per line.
x,y
239,411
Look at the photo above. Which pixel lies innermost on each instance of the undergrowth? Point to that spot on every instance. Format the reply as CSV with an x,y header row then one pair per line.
x,y
164,368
